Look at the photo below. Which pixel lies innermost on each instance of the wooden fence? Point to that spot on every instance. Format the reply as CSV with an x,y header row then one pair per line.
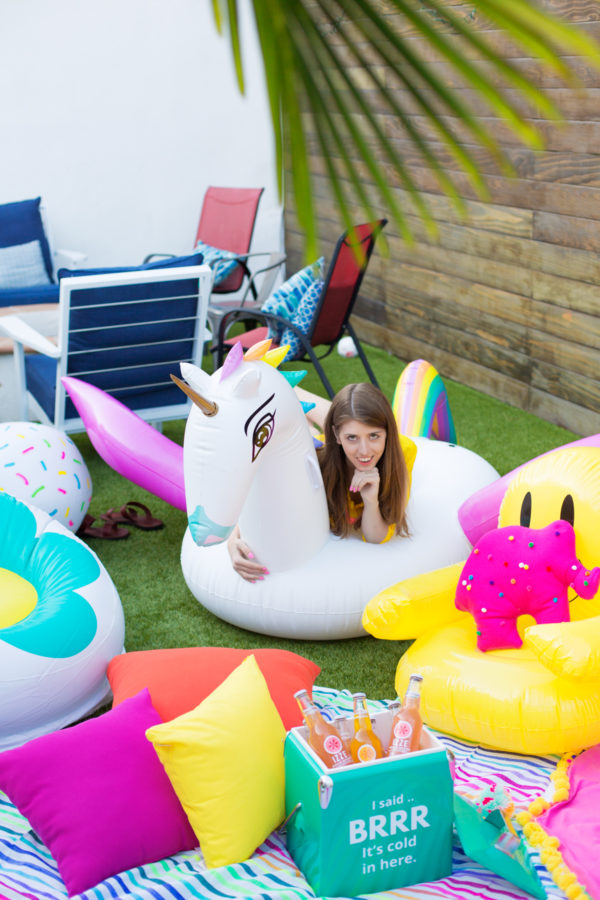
x,y
506,300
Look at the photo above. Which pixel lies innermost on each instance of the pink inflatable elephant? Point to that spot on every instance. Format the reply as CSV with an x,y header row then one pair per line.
x,y
515,570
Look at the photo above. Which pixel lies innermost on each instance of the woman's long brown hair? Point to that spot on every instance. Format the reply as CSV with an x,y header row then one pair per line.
x,y
366,404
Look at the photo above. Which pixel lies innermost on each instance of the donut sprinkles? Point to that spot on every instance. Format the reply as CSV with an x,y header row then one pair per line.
x,y
42,465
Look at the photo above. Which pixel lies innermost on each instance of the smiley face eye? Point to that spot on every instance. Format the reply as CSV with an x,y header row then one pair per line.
x,y
525,519
263,431
567,510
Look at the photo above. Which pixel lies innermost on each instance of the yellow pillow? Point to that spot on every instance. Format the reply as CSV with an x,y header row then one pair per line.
x,y
225,761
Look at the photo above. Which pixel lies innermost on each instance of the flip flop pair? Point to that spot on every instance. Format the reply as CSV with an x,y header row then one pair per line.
x,y
109,531
132,513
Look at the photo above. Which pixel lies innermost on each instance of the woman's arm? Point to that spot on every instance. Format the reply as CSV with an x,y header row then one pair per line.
x,y
317,415
374,527
242,558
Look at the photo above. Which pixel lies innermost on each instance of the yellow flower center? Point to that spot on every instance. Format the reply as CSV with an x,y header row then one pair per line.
x,y
18,598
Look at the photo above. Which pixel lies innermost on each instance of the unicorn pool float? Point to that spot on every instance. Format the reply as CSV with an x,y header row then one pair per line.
x,y
508,642
249,458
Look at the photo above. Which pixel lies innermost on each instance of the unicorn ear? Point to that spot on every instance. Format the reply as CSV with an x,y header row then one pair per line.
x,y
248,384
196,377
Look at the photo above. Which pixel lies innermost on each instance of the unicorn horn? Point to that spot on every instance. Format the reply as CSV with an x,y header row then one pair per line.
x,y
257,351
295,376
208,407
276,356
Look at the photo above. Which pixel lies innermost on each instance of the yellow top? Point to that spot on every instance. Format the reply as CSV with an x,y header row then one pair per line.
x,y
355,509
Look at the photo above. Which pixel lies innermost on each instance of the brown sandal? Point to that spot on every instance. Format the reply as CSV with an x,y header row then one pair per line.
x,y
130,516
110,531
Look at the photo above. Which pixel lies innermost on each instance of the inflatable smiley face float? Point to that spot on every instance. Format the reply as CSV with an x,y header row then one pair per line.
x,y
541,692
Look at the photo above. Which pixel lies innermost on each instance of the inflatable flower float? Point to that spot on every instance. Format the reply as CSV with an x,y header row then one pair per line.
x,y
61,622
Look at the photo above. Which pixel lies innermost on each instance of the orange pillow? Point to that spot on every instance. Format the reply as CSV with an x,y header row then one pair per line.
x,y
180,679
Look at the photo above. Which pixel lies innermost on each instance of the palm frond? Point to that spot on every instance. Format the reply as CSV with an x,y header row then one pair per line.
x,y
307,46
225,11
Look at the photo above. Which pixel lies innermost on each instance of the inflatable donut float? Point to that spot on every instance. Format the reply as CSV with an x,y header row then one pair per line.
x,y
42,466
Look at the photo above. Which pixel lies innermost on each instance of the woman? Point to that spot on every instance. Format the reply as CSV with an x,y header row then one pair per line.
x,y
364,471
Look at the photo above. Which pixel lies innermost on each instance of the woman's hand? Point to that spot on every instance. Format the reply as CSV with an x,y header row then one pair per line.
x,y
242,558
367,484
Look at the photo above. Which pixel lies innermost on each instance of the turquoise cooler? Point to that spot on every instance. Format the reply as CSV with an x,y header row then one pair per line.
x,y
372,826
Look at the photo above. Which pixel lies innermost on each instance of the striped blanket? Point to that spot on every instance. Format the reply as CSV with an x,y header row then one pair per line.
x,y
28,872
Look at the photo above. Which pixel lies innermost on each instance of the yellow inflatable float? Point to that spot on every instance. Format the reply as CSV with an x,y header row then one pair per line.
x,y
542,697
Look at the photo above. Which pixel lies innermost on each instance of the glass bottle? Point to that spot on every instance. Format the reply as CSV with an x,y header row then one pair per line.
x,y
323,736
365,746
407,724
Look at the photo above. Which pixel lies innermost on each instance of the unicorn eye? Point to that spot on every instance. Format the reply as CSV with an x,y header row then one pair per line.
x,y
263,431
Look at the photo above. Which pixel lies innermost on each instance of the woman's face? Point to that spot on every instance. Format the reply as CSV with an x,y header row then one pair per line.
x,y
363,445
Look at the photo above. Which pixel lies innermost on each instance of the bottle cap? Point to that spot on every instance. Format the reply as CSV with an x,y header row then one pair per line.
x,y
301,693
360,695
416,677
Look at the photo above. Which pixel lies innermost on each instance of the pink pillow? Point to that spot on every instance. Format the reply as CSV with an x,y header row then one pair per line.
x,y
97,795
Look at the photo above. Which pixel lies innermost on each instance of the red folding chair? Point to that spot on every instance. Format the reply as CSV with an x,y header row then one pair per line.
x,y
331,319
227,222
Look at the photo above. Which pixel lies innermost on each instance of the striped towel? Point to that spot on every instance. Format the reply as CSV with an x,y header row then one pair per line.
x,y
28,872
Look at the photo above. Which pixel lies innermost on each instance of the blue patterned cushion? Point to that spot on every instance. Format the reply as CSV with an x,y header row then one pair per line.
x,y
285,301
222,262
20,223
22,265
302,320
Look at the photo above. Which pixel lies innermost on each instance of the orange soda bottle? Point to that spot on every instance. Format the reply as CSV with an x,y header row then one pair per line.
x,y
407,724
323,736
365,746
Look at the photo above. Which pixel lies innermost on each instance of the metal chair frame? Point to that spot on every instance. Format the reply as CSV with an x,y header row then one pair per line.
x,y
318,335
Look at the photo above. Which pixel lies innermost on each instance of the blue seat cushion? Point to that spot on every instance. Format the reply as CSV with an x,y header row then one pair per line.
x,y
193,259
40,375
21,223
24,296
49,293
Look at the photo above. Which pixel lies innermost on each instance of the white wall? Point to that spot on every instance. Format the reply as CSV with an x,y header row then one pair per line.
x,y
119,113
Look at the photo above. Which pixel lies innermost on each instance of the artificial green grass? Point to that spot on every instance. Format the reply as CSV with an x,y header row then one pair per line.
x,y
159,609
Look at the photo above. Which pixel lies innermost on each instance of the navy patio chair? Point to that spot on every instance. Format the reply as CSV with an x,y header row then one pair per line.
x,y
124,331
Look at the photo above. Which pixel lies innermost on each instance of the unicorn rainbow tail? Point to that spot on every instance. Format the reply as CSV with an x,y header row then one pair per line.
x,y
421,404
